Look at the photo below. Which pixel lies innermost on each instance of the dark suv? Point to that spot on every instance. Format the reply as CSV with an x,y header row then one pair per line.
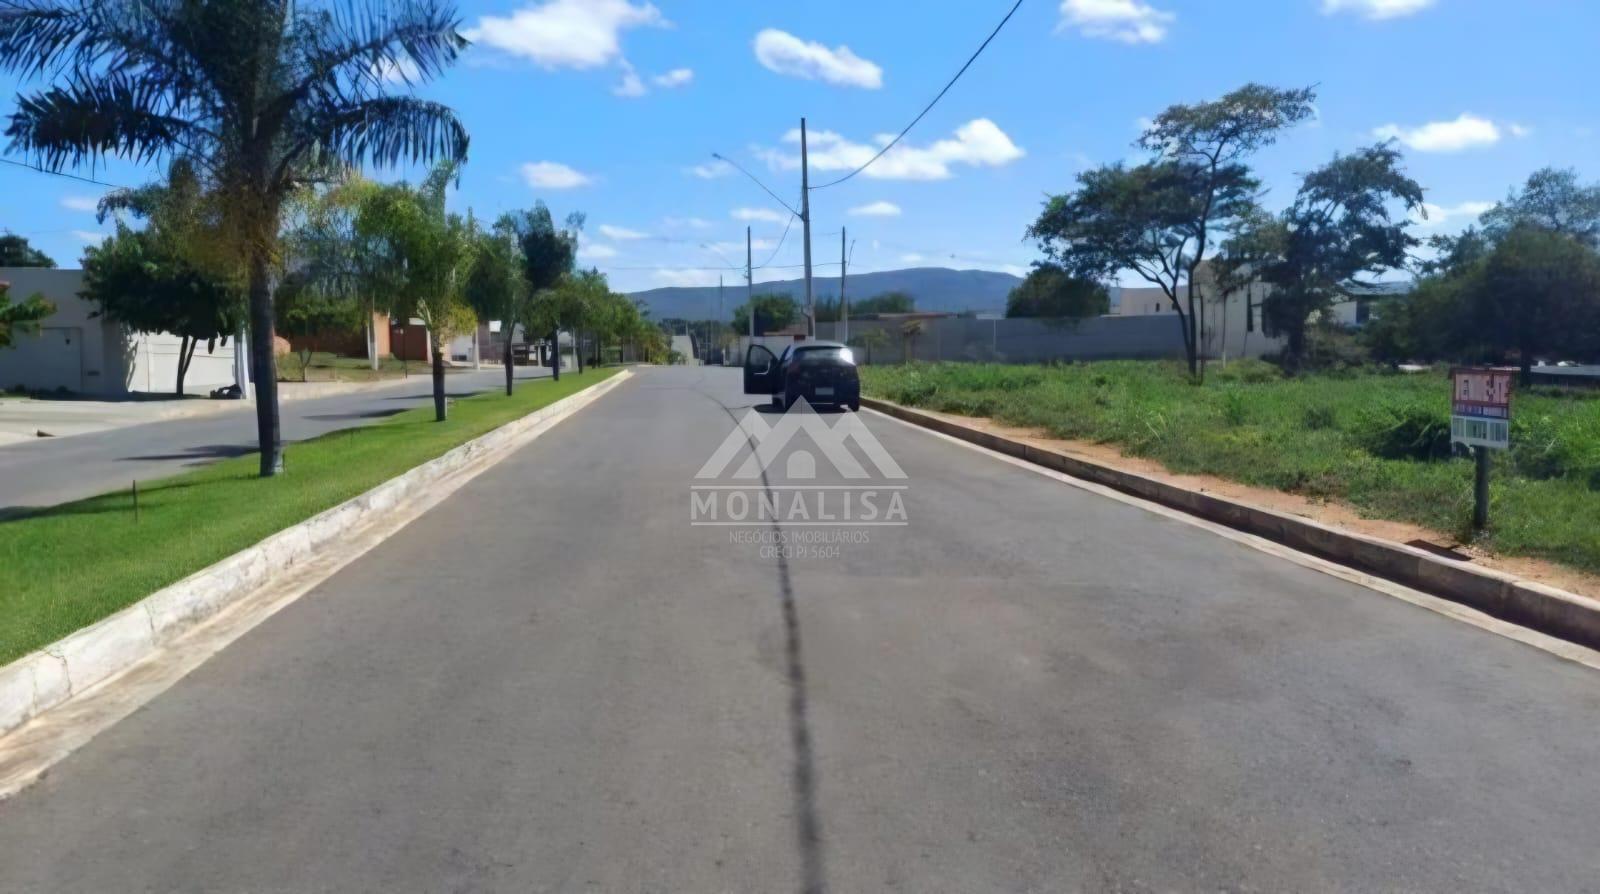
x,y
822,372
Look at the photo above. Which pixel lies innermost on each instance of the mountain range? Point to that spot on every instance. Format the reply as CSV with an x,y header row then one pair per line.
x,y
933,289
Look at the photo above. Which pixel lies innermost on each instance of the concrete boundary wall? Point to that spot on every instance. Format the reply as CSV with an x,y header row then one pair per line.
x,y
1567,616
65,669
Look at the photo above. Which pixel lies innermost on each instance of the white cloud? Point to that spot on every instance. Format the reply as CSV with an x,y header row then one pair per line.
x,y
876,209
80,203
1466,132
90,236
686,223
1520,131
978,143
1376,9
677,77
621,234
786,54
1440,216
913,258
404,71
566,33
1128,21
765,215
553,175
596,251
631,86
711,170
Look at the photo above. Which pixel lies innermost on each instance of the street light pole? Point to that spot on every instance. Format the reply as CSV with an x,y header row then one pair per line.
x,y
805,220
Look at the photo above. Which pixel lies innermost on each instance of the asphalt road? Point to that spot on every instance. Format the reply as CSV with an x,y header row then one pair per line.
x,y
555,682
55,470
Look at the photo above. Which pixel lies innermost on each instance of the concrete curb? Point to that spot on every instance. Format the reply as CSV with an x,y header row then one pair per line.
x,y
1561,614
45,679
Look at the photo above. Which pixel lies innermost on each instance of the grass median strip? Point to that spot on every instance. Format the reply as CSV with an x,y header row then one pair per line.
x,y
1377,441
65,567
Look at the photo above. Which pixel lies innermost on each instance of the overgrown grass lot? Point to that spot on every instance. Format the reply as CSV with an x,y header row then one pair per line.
x,y
1378,441
67,566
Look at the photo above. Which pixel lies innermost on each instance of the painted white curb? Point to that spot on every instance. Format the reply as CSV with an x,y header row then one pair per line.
x,y
62,670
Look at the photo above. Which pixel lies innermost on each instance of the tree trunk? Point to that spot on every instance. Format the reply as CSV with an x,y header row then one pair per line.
x,y
1296,351
264,366
507,358
438,382
1525,364
577,350
185,355
555,355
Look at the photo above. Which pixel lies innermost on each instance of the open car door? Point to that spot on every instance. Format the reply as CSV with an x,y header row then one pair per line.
x,y
760,371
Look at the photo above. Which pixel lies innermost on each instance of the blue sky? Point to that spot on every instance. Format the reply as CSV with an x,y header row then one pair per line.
x,y
613,108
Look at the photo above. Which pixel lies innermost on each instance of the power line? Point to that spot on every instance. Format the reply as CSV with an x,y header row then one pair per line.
x,y
781,240
786,206
892,143
38,170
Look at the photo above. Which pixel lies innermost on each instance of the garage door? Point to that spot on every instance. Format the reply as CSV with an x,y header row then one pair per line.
x,y
50,360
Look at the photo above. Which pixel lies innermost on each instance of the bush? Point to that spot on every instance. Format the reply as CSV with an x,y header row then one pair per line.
x,y
1544,447
1412,430
1318,418
1235,408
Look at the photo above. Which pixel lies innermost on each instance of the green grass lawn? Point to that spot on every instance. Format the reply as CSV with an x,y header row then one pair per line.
x,y
71,565
326,367
1377,441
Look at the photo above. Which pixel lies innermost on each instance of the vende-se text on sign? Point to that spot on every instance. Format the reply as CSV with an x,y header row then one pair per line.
x,y
1480,413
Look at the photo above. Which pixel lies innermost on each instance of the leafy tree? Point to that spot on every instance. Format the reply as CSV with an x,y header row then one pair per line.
x,y
335,278
23,318
425,255
1161,218
885,303
262,95
773,312
575,301
16,252
1537,292
137,280
1051,292
548,254
497,289
306,311
1551,200
1338,229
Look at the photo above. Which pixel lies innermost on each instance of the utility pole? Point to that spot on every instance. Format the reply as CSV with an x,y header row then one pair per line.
x,y
750,284
719,316
844,303
805,220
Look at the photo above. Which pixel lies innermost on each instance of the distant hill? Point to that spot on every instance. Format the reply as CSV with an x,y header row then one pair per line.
x,y
934,288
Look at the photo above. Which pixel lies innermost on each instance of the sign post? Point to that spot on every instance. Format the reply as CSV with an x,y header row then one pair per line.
x,y
1480,418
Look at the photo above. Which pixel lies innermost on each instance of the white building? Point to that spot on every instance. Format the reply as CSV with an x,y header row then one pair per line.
x,y
1233,327
84,354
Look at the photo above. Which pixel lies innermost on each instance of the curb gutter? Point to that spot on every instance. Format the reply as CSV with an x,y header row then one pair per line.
x,y
1561,614
66,668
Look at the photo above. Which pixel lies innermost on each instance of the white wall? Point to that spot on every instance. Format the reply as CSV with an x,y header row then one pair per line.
x,y
88,355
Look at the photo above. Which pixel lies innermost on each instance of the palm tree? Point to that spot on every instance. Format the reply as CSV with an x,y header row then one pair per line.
x,y
263,96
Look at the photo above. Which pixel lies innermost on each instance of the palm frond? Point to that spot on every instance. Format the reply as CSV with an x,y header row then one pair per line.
x,y
385,131
89,118
349,52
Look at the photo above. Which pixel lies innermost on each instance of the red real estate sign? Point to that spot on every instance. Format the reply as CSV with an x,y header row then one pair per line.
x,y
1480,412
